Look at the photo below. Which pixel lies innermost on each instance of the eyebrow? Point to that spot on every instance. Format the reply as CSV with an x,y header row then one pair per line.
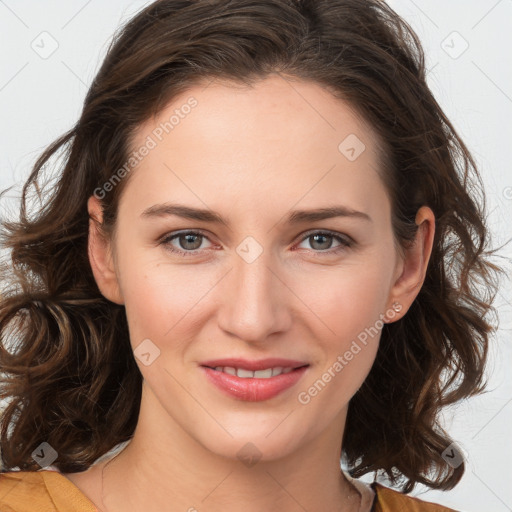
x,y
294,217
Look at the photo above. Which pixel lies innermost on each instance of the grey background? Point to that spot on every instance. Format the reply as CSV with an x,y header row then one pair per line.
x,y
468,44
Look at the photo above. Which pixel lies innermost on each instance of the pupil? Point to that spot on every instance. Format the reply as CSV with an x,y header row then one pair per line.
x,y
189,239
315,237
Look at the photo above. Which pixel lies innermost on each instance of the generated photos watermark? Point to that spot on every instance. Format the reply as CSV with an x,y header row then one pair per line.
x,y
151,142
304,397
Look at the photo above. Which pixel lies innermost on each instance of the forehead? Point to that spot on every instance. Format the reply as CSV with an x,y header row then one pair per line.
x,y
270,108
290,140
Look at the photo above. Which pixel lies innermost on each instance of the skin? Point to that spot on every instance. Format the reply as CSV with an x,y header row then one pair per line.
x,y
264,151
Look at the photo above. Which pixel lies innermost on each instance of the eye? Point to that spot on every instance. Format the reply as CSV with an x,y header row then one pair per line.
x,y
189,242
321,241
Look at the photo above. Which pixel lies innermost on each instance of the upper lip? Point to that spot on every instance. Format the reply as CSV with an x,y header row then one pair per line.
x,y
262,364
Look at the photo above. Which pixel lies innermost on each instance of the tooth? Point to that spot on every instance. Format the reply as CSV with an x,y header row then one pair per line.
x,y
259,374
240,372
263,374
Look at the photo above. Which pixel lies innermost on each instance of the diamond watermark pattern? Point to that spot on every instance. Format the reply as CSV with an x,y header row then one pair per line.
x,y
249,454
45,45
44,455
146,352
351,147
249,249
454,45
453,455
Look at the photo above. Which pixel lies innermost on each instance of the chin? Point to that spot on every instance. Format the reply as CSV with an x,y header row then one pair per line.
x,y
252,445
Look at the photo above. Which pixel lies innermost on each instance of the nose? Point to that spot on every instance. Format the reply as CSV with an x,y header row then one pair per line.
x,y
254,300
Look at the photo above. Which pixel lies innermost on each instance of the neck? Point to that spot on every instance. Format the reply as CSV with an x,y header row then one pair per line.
x,y
166,470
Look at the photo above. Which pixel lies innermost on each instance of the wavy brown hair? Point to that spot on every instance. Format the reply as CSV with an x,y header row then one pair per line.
x,y
69,376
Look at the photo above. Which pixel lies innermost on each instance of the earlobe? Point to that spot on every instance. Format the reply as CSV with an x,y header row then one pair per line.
x,y
100,255
414,263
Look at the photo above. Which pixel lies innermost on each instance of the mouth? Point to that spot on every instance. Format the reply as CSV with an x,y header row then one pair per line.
x,y
254,380
269,363
266,373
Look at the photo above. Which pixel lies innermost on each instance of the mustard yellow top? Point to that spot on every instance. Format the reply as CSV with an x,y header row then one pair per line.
x,y
49,491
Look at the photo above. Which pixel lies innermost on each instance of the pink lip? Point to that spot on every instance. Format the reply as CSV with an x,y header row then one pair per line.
x,y
254,365
254,389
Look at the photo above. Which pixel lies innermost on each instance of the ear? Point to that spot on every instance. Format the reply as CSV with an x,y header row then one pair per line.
x,y
412,267
100,255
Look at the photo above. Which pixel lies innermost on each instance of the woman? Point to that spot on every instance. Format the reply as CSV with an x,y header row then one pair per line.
x,y
259,259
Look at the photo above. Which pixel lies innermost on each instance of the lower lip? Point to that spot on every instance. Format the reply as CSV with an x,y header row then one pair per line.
x,y
253,389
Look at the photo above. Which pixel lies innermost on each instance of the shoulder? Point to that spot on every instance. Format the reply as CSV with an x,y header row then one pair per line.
x,y
44,490
391,500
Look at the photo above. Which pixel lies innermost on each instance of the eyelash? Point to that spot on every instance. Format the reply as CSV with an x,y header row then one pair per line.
x,y
345,242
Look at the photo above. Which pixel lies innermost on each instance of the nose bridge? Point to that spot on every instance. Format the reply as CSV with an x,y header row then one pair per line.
x,y
253,304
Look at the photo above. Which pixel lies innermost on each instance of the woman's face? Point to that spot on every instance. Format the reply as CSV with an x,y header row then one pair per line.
x,y
259,284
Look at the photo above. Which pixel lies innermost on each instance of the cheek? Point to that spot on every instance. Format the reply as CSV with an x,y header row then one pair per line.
x,y
348,306
346,299
348,313
162,299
